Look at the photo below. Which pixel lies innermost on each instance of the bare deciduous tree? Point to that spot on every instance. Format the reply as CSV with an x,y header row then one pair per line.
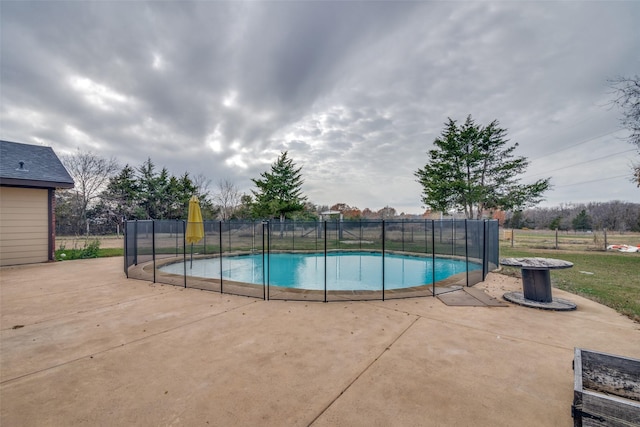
x,y
202,184
626,92
612,215
91,174
227,196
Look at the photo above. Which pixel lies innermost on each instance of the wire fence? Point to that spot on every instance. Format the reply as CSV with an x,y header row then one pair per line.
x,y
596,240
156,250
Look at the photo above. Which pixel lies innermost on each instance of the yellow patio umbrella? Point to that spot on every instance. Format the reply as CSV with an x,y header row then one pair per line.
x,y
195,226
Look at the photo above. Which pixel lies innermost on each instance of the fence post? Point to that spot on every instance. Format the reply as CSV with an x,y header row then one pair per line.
x,y
513,232
184,250
264,280
268,260
433,254
135,242
485,250
605,239
153,245
220,233
383,239
325,261
125,233
556,237
466,249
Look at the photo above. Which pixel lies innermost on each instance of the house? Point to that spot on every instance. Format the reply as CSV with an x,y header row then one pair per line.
x,y
29,177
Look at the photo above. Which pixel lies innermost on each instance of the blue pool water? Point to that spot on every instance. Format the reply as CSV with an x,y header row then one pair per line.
x,y
345,270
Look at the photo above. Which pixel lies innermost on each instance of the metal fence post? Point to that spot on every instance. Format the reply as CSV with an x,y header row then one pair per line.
x,y
184,250
220,233
466,250
153,245
268,260
433,255
485,250
126,247
325,261
135,242
264,283
383,239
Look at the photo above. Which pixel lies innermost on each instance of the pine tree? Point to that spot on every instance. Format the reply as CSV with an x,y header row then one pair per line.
x,y
279,193
123,195
582,221
472,169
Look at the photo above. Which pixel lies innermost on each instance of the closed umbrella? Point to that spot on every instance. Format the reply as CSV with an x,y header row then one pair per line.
x,y
195,227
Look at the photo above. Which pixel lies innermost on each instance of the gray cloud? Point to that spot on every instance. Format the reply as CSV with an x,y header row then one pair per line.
x,y
356,91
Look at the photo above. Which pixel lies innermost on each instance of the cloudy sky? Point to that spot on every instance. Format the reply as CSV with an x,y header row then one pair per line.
x,y
355,91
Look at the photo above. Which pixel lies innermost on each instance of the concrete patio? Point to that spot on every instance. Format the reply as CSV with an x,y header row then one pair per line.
x,y
83,345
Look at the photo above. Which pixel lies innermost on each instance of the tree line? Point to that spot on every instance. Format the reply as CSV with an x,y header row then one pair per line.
x,y
105,195
471,169
613,215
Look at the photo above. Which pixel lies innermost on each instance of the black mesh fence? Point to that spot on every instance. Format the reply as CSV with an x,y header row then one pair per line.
x,y
315,261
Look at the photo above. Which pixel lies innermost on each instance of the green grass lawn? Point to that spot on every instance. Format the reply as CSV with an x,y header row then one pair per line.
x,y
610,278
110,252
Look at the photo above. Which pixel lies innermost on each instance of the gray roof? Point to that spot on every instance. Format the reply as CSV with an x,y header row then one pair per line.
x,y
32,166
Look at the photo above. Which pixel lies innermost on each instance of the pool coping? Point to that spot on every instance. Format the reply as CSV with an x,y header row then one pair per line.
x,y
145,271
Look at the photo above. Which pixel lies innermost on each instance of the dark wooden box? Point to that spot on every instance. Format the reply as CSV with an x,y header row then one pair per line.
x,y
606,390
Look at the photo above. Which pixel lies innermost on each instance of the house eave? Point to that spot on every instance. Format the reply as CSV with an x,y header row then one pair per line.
x,y
29,183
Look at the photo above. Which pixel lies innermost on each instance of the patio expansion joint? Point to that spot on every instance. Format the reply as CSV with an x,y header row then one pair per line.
x,y
482,330
66,291
8,381
357,377
94,309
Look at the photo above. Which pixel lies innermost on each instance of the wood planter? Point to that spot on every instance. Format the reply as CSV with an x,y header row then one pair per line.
x,y
606,390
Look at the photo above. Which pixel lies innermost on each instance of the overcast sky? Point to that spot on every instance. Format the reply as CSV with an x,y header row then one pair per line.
x,y
355,91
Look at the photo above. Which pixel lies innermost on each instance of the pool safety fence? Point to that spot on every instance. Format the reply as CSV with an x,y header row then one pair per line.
x,y
153,244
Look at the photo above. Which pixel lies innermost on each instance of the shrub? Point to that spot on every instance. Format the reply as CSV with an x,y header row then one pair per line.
x,y
89,250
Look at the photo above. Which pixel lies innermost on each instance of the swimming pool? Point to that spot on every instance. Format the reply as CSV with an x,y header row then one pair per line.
x,y
353,271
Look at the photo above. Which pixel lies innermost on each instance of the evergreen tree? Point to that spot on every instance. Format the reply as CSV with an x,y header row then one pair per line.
x,y
472,169
582,221
154,191
244,210
151,195
123,194
279,193
516,220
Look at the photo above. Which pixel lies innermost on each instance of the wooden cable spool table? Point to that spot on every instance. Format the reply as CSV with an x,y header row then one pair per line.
x,y
536,283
